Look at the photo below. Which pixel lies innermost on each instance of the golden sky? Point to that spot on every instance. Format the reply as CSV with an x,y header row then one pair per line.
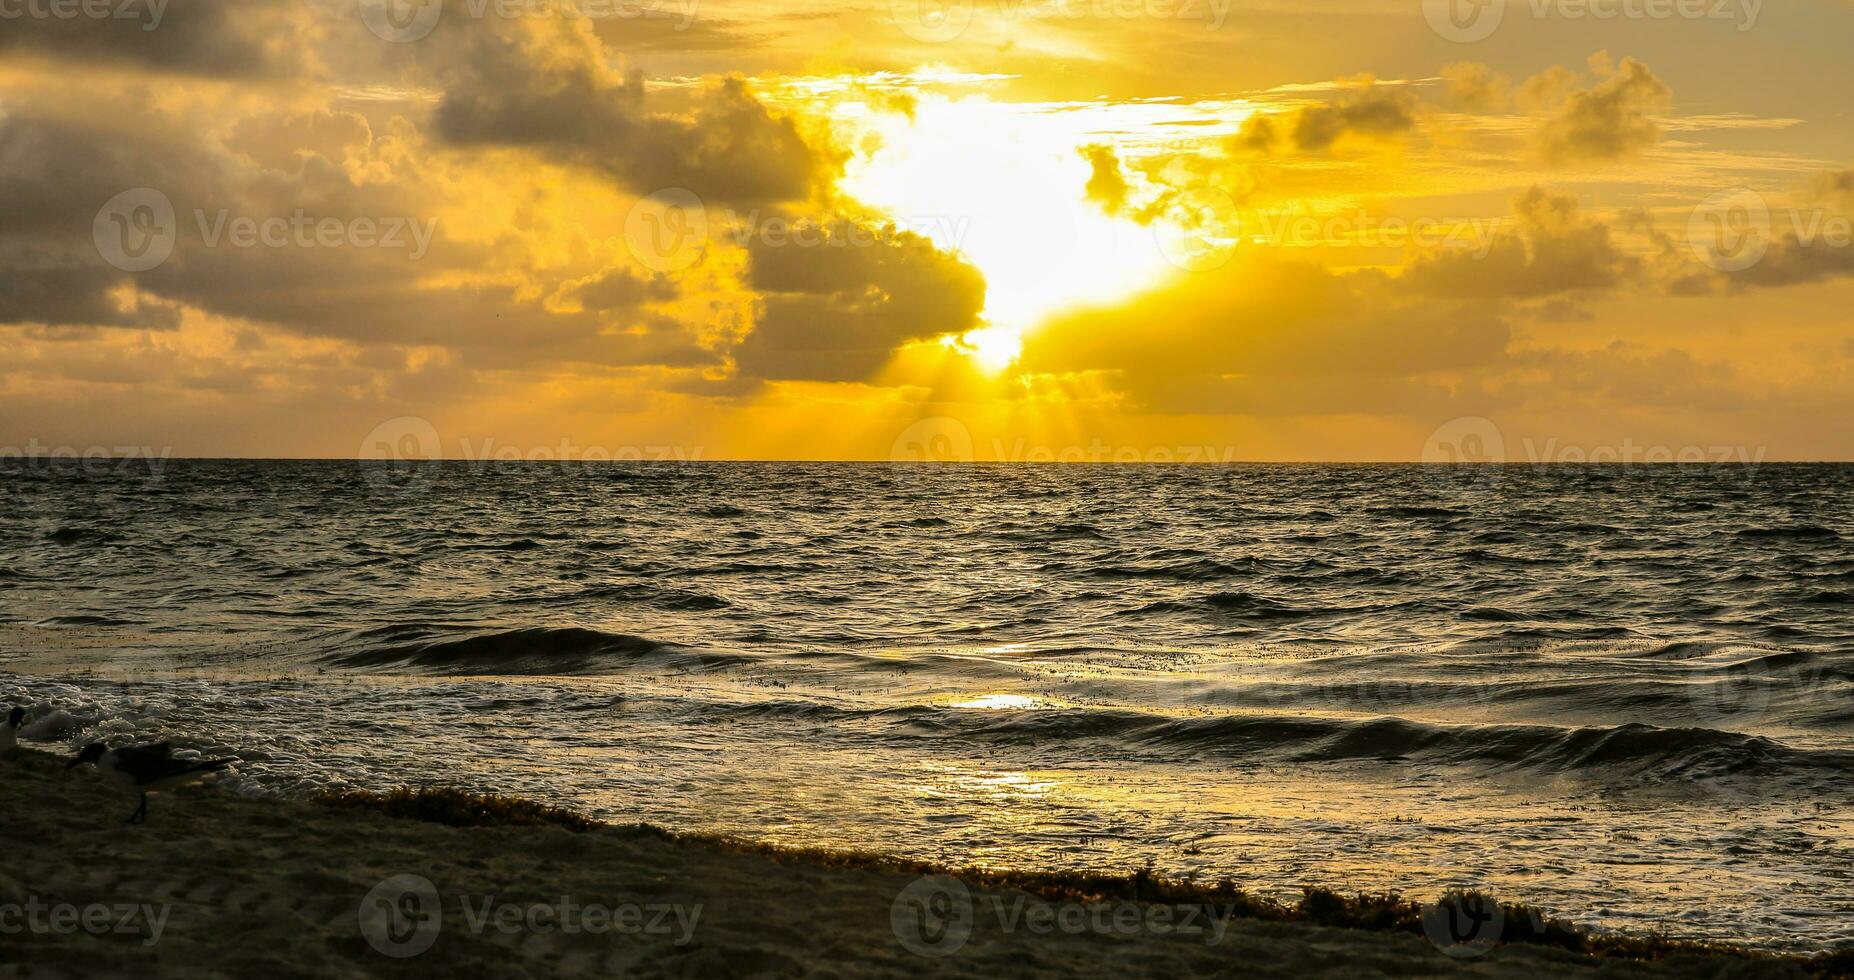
x,y
862,229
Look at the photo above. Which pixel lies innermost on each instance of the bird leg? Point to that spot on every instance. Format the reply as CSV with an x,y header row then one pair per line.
x,y
141,812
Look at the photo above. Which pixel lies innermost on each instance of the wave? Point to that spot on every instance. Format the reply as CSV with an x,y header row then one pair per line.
x,y
683,600
85,621
1412,511
79,535
1802,532
1632,752
1238,605
454,650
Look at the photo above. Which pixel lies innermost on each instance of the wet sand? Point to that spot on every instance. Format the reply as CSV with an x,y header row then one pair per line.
x,y
218,885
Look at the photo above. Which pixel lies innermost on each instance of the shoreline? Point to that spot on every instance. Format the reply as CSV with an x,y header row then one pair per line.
x,y
370,884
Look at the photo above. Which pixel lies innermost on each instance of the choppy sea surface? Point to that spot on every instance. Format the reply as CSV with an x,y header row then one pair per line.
x,y
1623,693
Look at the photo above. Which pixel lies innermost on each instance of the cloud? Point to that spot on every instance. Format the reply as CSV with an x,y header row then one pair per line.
x,y
1553,249
70,149
196,37
1107,186
1372,112
837,309
1243,337
1366,110
54,176
1607,123
621,289
1474,87
545,85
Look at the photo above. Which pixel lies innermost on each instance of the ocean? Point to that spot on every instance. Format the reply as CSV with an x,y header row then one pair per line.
x,y
1622,693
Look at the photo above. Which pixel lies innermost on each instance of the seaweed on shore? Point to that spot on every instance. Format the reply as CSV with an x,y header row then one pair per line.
x,y
457,808
1383,912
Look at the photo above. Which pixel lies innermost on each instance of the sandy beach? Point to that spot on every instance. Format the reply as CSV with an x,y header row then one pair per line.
x,y
218,885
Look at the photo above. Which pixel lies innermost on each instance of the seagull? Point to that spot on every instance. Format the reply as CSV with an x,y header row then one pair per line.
x,y
149,768
9,735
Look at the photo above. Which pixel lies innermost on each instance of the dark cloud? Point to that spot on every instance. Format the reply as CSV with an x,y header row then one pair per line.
x,y
546,86
1609,122
61,171
1374,113
1554,249
54,177
1367,111
836,311
196,37
623,289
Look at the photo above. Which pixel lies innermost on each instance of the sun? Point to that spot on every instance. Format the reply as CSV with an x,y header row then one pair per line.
x,y
1003,184
993,349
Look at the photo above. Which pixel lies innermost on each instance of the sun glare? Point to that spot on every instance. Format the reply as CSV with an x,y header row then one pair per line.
x,y
993,348
1003,184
